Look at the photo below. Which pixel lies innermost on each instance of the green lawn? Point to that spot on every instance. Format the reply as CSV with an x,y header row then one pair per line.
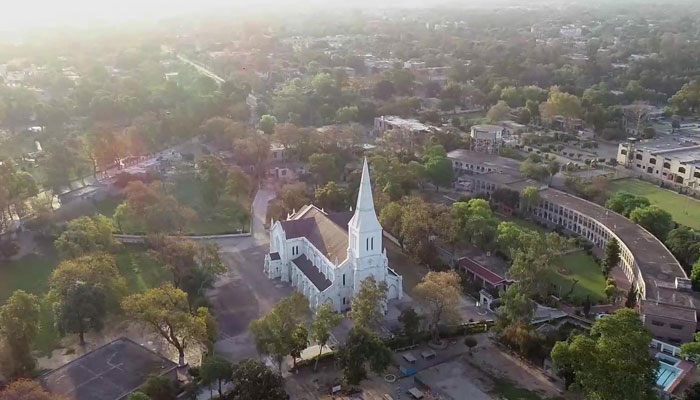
x,y
684,209
31,273
523,223
581,267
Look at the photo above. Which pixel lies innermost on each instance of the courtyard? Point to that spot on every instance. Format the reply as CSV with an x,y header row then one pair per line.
x,y
578,270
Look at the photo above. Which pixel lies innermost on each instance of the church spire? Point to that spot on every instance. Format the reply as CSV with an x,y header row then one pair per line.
x,y
365,202
365,218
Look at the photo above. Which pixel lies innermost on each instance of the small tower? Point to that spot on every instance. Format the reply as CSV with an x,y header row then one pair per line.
x,y
365,235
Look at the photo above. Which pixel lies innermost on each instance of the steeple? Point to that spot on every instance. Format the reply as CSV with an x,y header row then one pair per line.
x,y
365,218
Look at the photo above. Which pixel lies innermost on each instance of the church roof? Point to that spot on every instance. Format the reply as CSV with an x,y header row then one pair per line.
x,y
315,276
328,232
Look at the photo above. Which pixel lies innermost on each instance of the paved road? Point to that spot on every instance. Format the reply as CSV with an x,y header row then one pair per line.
x,y
202,69
244,293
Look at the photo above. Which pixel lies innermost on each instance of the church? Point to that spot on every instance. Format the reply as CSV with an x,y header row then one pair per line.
x,y
326,256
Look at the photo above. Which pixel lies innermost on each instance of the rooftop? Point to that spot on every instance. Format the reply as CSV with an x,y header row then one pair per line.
x,y
411,124
315,276
493,160
109,372
487,128
327,232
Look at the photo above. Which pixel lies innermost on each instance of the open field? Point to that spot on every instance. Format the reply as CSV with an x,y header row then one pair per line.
x,y
684,209
580,267
32,272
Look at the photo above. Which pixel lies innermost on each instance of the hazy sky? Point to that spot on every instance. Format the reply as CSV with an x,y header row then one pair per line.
x,y
18,14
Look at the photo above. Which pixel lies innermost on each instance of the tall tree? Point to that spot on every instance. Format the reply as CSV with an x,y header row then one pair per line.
x,y
438,293
613,361
439,171
81,309
653,219
96,270
216,369
612,255
362,346
252,380
498,112
411,323
165,309
368,304
322,326
273,333
86,235
19,324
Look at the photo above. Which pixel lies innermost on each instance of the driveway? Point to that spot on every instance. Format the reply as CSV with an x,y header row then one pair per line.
x,y
244,293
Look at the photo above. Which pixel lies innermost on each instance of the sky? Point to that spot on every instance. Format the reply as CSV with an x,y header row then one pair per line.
x,y
24,14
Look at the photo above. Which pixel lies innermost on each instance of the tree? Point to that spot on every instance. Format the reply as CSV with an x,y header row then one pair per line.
x,y
267,124
530,197
498,112
159,388
438,293
324,167
273,333
384,90
612,255
94,270
439,171
81,309
362,346
624,203
19,324
176,254
322,326
300,341
368,304
165,309
476,221
470,342
695,275
252,380
27,390
692,392
411,323
216,369
211,174
691,349
516,306
534,170
238,183
631,300
331,197
684,243
561,103
653,219
687,99
347,114
613,361
86,235
390,218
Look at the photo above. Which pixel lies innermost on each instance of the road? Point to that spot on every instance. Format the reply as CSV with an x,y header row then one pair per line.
x,y
202,69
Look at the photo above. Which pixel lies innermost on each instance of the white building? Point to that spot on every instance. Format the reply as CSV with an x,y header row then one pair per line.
x,y
486,138
674,160
326,256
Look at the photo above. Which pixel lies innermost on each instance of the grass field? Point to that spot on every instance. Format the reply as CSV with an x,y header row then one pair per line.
x,y
523,223
684,209
32,272
581,267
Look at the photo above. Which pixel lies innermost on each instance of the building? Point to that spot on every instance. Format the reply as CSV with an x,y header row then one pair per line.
x,y
666,303
571,32
466,162
326,256
513,128
673,160
110,372
483,276
486,138
390,123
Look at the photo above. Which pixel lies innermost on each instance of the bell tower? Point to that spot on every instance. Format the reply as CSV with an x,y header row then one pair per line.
x,y
365,236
